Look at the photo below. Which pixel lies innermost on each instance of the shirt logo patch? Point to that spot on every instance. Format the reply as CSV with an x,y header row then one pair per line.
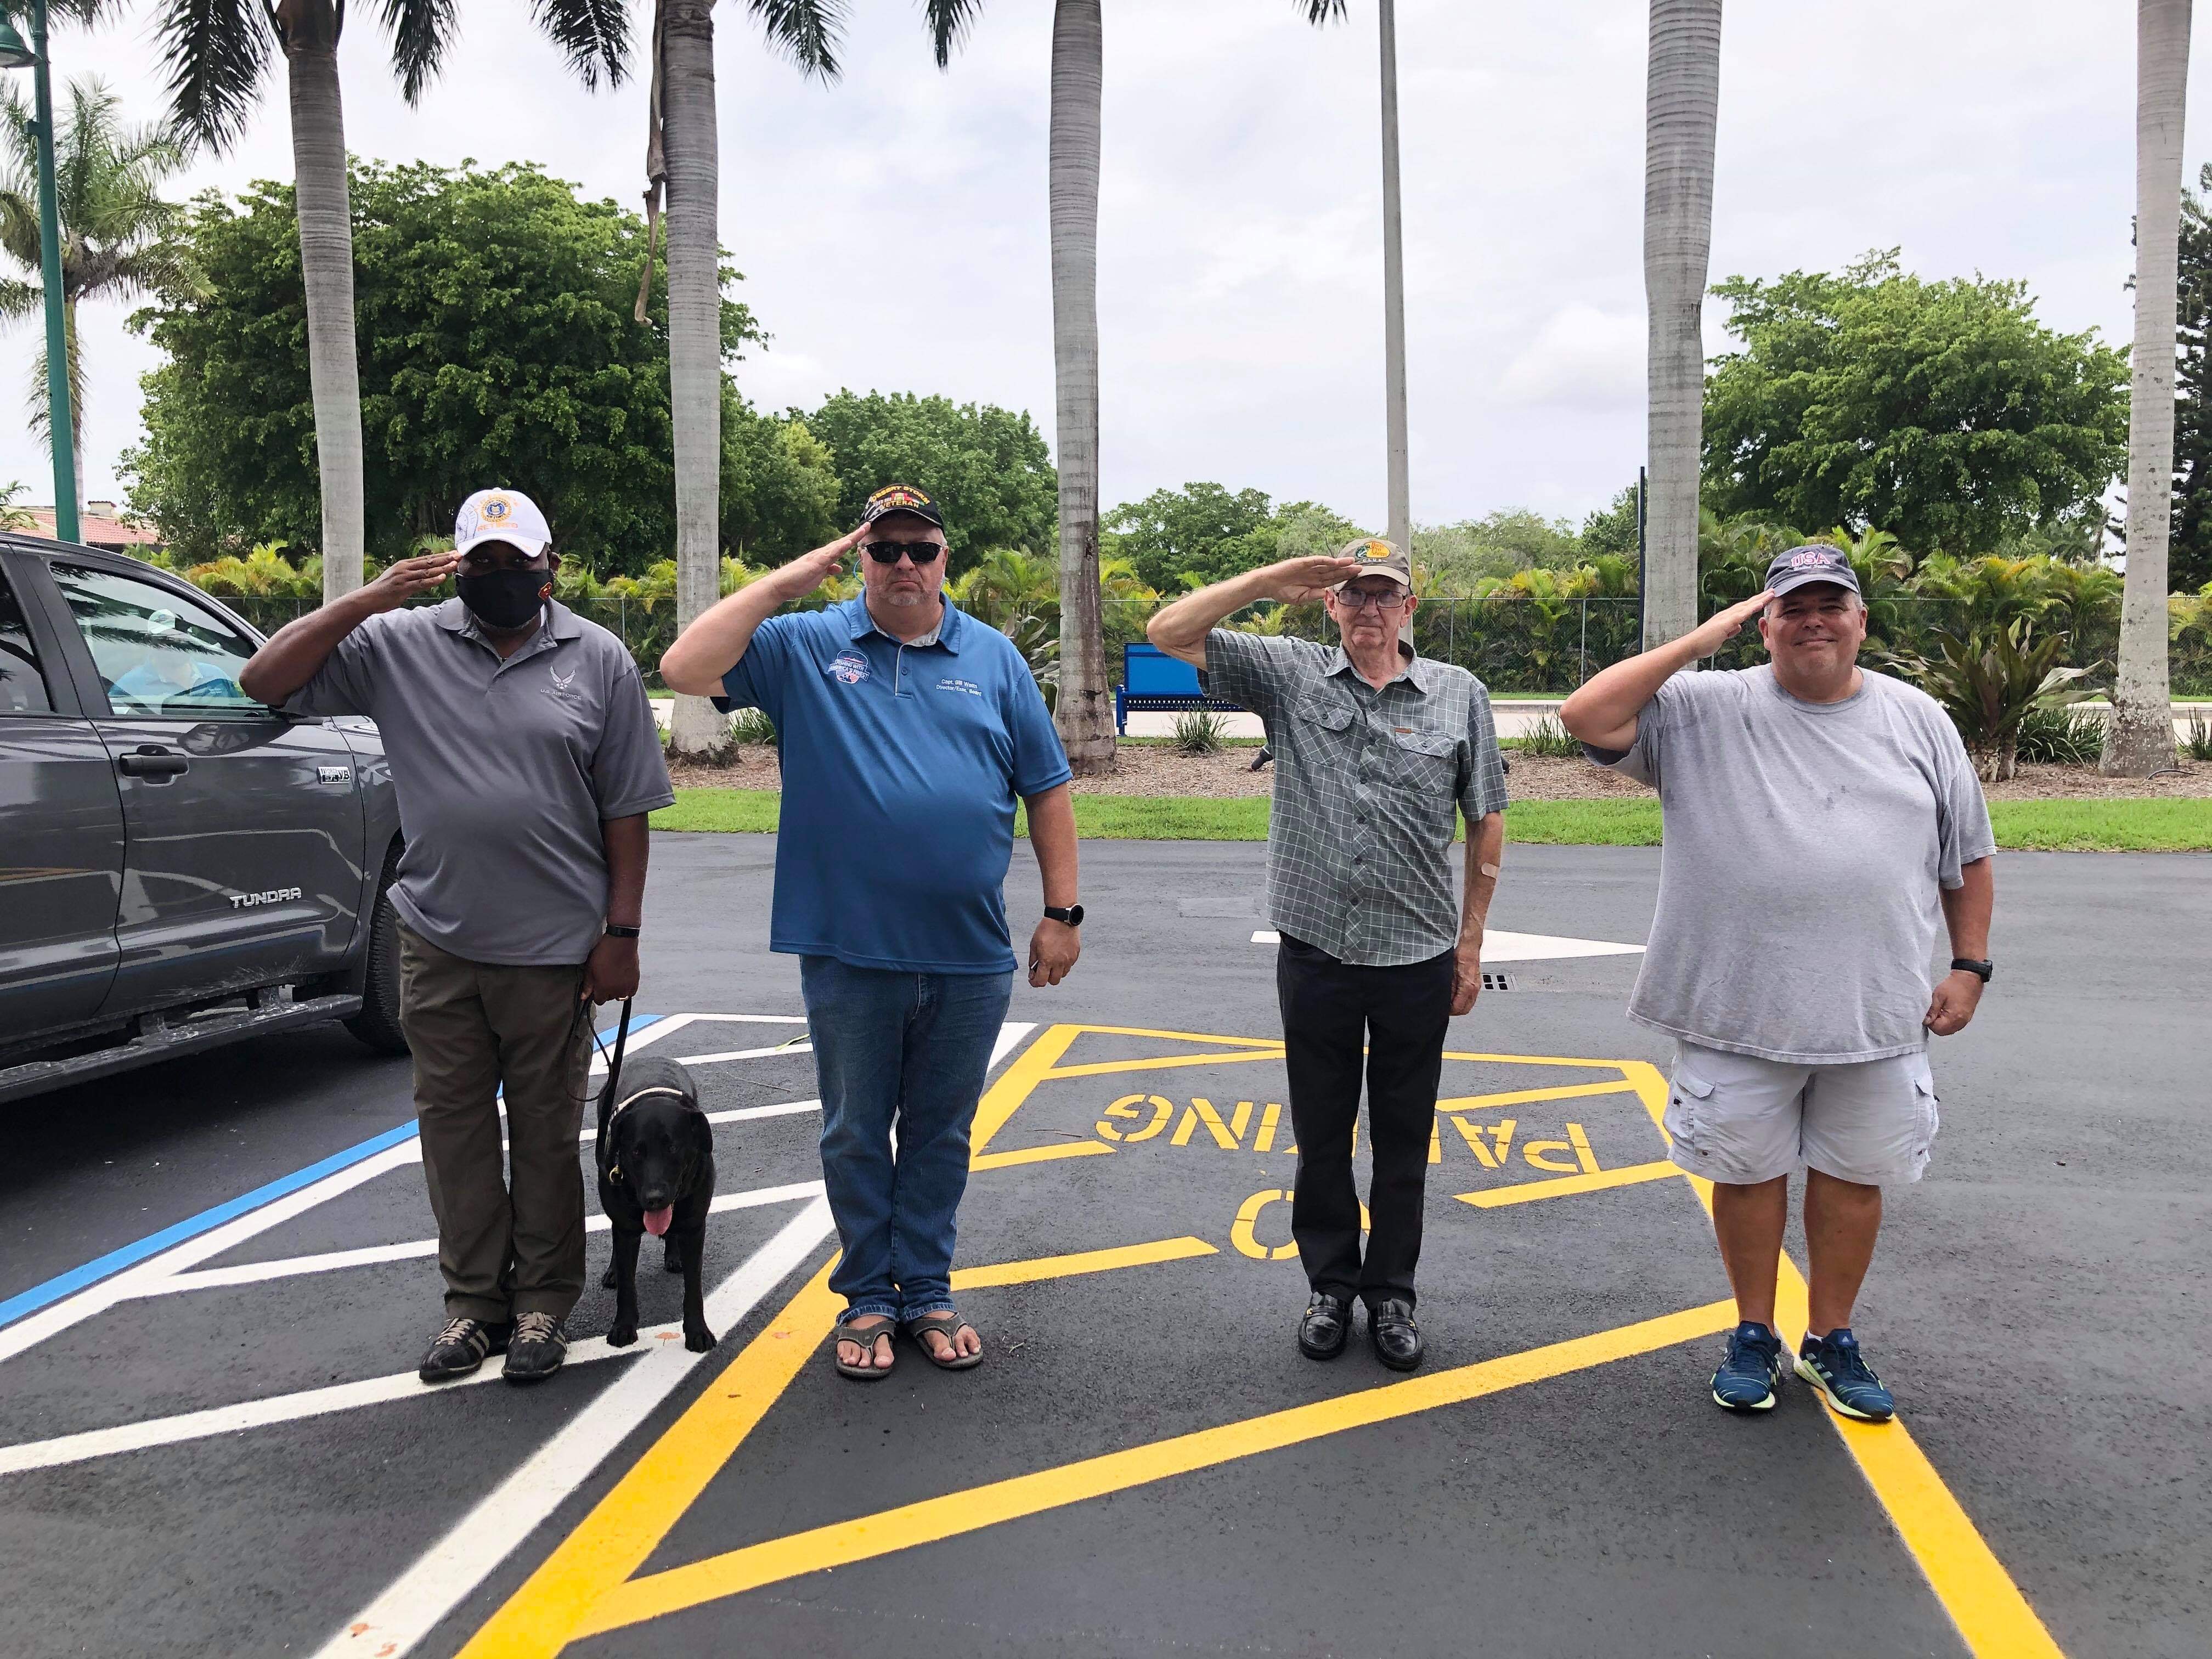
x,y
968,686
852,668
564,685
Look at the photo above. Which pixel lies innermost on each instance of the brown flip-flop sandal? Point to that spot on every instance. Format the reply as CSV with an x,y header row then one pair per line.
x,y
951,1324
870,1372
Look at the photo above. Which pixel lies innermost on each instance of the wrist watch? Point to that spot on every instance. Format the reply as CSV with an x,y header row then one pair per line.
x,y
616,931
1072,915
1981,971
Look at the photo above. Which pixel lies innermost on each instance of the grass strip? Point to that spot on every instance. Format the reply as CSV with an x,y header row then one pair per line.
x,y
2044,826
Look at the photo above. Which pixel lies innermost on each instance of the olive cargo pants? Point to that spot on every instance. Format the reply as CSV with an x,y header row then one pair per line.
x,y
508,1244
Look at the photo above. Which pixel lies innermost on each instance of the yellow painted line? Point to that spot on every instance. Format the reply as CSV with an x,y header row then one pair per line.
x,y
628,1524
1082,1261
1991,1613
1525,1191
956,1513
1036,1154
1030,1067
1159,1063
1518,1097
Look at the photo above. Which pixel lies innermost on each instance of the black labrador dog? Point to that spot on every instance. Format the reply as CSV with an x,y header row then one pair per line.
x,y
656,1153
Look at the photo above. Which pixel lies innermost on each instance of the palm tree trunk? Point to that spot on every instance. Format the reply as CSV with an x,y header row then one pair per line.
x,y
325,209
1680,109
2140,738
1084,710
1394,294
694,329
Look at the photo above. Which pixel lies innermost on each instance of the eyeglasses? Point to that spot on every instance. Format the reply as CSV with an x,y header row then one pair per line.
x,y
888,552
1355,599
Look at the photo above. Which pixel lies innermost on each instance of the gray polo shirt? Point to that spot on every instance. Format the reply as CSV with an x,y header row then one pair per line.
x,y
504,770
1360,846
1808,847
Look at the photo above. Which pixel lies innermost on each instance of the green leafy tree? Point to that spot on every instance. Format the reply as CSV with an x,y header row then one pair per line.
x,y
493,316
1189,537
988,467
1942,411
2189,553
115,225
1496,546
1612,528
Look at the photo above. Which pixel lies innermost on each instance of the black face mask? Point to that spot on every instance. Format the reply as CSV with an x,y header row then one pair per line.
x,y
505,598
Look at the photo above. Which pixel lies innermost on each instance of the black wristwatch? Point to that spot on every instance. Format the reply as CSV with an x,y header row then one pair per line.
x,y
1980,971
614,932
1072,915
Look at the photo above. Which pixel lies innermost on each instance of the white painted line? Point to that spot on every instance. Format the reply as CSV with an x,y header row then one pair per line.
x,y
255,1273
733,1114
745,1054
422,1596
1497,946
98,1298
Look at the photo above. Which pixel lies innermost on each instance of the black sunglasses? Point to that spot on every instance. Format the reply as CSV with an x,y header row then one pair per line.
x,y
888,552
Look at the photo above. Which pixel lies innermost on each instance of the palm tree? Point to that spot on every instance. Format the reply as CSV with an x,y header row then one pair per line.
x,y
114,225
2140,738
1320,12
682,157
218,52
1682,106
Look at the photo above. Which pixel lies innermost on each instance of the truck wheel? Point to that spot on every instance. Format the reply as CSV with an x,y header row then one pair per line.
x,y
377,1024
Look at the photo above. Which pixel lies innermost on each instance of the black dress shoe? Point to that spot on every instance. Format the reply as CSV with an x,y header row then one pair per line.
x,y
1397,1340
1326,1325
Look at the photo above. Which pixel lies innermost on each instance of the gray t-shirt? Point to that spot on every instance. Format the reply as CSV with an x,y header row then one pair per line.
x,y
504,771
1799,911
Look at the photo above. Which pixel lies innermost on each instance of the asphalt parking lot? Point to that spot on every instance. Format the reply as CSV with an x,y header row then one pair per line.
x,y
216,1283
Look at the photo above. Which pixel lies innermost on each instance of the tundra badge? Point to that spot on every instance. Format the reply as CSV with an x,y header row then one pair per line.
x,y
334,775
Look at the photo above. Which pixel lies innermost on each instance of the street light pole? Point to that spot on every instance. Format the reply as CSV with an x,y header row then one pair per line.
x,y
1394,294
61,430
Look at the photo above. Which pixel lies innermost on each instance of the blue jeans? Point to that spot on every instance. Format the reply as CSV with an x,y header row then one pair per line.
x,y
909,1050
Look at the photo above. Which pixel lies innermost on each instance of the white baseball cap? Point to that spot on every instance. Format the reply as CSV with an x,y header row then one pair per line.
x,y
502,515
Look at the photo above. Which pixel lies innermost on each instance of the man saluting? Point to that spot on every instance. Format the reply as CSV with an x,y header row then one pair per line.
x,y
1376,750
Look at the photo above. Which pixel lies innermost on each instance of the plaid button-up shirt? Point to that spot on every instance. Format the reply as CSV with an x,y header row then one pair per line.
x,y
1359,849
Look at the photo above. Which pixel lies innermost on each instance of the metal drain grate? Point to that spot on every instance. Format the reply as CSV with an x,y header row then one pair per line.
x,y
1496,981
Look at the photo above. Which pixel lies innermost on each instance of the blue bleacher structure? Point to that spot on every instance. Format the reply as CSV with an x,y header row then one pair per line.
x,y
1153,682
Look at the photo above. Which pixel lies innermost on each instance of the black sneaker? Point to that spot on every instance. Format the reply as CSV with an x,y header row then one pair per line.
x,y
1397,1340
1751,1370
459,1348
1327,1323
537,1348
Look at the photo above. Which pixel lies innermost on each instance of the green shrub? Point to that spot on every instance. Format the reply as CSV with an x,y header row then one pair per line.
x,y
2061,736
1548,736
751,726
2196,743
1990,680
1201,732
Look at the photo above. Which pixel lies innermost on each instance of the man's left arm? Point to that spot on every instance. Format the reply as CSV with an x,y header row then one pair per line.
x,y
1054,946
1967,910
611,974
1486,853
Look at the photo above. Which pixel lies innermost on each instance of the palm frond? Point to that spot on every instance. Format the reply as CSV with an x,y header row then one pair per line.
x,y
1323,12
805,31
217,50
595,33
20,299
949,22
421,31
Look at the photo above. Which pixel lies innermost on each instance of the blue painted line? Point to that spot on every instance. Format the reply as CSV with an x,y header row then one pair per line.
x,y
76,1279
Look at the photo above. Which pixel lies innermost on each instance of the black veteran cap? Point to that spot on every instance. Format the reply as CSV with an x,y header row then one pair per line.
x,y
1802,565
902,498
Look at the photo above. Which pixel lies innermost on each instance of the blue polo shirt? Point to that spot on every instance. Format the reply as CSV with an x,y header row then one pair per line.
x,y
902,764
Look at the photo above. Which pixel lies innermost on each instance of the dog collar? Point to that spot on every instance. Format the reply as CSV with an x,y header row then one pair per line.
x,y
657,1089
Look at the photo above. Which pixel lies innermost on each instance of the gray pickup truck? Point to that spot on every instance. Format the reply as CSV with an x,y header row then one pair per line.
x,y
181,866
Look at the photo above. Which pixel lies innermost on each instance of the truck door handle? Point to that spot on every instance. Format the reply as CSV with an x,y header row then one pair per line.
x,y
152,761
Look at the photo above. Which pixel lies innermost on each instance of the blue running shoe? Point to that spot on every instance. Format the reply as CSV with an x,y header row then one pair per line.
x,y
1752,1371
1833,1364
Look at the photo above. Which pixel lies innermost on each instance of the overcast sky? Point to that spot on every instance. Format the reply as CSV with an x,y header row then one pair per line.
x,y
892,227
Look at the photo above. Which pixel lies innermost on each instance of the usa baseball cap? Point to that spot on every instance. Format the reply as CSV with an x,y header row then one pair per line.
x,y
902,498
1802,565
502,515
1377,558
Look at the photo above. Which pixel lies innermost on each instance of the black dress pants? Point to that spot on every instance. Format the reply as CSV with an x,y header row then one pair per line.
x,y
1332,1010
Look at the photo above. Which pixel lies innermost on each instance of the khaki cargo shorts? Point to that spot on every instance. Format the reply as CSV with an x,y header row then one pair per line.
x,y
1740,1119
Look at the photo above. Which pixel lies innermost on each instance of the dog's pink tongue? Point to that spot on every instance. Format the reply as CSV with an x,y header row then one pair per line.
x,y
656,1221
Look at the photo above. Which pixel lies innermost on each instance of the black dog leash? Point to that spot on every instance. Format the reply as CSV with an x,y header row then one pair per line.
x,y
614,1079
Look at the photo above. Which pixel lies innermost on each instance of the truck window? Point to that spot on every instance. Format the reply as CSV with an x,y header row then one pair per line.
x,y
22,687
158,653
